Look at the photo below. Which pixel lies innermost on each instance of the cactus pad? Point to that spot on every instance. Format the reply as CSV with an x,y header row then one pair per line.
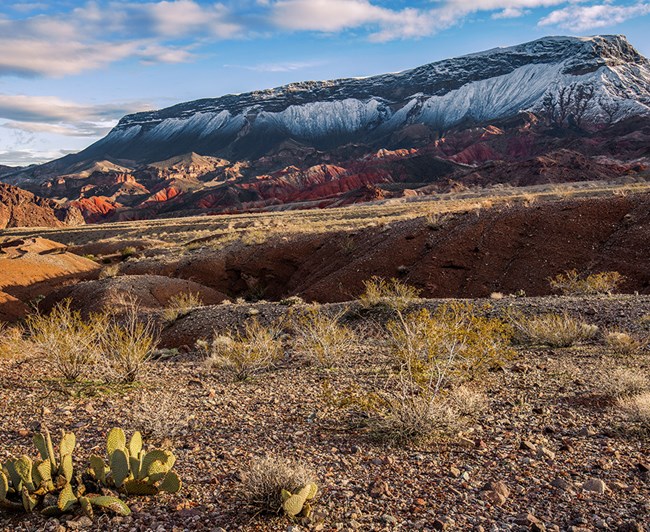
x,y
68,443
119,467
171,483
135,444
111,503
66,499
116,439
139,487
86,507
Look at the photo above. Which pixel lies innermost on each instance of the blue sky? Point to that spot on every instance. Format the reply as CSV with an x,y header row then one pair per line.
x,y
70,69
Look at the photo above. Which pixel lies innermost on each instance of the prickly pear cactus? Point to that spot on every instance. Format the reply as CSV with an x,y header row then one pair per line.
x,y
133,470
297,505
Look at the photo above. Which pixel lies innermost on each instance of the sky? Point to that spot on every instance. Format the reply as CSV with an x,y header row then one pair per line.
x,y
70,69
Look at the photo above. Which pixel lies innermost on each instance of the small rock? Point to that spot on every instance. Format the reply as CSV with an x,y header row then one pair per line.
x,y
495,498
595,485
455,472
630,526
498,487
543,452
560,483
528,446
379,488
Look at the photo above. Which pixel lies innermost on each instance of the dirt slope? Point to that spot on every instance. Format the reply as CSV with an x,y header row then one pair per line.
x,y
467,255
31,268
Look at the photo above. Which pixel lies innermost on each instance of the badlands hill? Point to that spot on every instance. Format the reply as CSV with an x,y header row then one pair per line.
x,y
553,110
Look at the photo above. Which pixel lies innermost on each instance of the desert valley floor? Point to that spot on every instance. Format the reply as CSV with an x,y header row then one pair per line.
x,y
550,435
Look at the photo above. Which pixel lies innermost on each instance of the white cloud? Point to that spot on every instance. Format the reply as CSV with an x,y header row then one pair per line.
x,y
582,18
46,114
278,67
98,34
388,24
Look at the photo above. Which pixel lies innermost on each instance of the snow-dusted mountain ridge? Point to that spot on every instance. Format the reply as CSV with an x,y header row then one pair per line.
x,y
591,80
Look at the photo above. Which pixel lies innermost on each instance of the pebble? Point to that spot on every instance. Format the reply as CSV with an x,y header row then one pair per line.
x,y
595,485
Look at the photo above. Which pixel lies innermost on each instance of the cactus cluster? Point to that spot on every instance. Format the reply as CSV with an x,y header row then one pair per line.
x,y
133,470
50,483
297,504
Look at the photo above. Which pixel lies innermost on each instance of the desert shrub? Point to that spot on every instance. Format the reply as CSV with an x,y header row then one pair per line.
x,y
637,408
266,478
411,418
571,283
435,353
388,293
12,343
159,414
292,301
245,355
322,339
180,305
128,251
622,343
110,271
452,342
65,339
553,330
623,382
126,347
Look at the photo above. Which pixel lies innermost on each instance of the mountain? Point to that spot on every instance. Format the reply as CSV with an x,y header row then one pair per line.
x,y
444,123
19,208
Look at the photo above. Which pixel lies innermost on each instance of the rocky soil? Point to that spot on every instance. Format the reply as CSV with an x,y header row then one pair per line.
x,y
551,452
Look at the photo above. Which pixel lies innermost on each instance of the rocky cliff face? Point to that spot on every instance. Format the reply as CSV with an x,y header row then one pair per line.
x,y
540,112
19,208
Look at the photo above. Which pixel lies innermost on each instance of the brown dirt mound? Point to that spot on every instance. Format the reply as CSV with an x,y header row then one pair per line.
x,y
472,254
30,268
152,292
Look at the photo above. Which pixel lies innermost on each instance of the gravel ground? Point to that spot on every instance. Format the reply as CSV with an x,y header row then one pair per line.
x,y
551,452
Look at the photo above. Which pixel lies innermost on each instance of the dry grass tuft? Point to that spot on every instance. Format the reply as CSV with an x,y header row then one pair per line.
x,y
244,355
322,339
70,344
110,271
637,408
266,477
181,305
624,382
388,293
159,415
553,330
126,347
622,343
571,283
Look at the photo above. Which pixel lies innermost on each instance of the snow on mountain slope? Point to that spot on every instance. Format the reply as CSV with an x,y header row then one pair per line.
x,y
589,81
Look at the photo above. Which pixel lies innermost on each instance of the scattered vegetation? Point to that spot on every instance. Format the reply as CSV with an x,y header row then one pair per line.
x,y
181,305
267,481
51,485
571,283
127,252
637,408
322,339
110,271
553,330
622,343
126,346
244,355
68,342
159,414
624,382
388,293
